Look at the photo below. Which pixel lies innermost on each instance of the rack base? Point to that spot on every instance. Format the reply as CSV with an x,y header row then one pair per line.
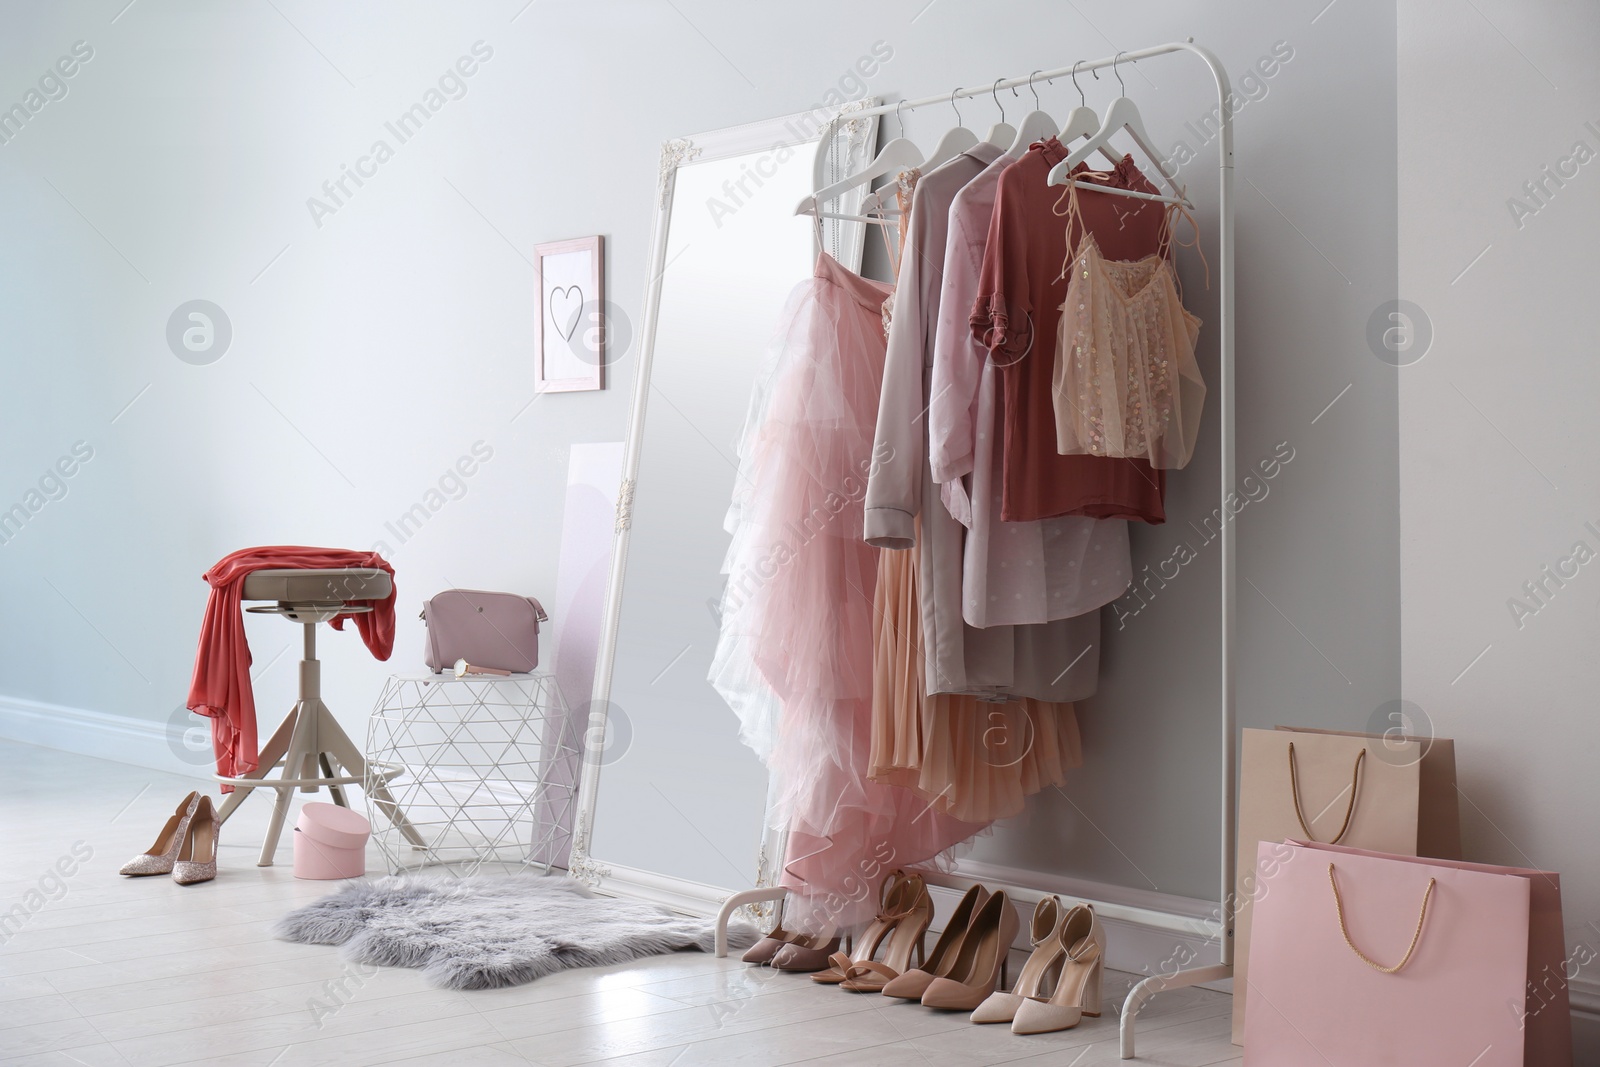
x,y
1160,983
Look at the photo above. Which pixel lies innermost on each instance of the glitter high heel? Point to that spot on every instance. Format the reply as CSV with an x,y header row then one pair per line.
x,y
161,855
197,859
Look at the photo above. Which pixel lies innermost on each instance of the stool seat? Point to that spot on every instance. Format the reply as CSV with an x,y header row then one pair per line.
x,y
331,585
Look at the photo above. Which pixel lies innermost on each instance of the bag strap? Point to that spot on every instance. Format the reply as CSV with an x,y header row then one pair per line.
x,y
1349,812
1422,916
538,610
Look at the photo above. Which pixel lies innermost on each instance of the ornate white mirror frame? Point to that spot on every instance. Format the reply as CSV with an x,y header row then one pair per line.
x,y
852,145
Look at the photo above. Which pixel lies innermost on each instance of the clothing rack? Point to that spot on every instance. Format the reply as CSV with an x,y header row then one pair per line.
x,y
1223,931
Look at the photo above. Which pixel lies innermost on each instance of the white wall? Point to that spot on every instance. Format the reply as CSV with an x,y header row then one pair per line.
x,y
379,347
1499,478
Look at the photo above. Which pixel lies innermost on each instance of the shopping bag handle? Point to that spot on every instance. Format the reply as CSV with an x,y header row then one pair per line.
x,y
1422,915
1349,811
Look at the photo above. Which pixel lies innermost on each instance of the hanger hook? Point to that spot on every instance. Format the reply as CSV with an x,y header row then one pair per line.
x,y
1034,91
959,120
994,94
898,121
1083,101
1123,89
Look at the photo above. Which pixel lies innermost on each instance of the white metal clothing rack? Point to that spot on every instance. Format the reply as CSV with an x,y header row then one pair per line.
x,y
1225,418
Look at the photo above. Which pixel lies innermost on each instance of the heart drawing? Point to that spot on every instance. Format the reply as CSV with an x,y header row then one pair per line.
x,y
566,307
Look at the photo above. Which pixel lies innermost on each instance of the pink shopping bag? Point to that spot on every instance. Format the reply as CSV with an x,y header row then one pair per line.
x,y
1364,959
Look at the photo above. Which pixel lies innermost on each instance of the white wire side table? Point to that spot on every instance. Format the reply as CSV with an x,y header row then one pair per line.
x,y
477,754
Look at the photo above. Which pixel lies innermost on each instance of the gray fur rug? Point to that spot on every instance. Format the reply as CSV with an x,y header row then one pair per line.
x,y
490,931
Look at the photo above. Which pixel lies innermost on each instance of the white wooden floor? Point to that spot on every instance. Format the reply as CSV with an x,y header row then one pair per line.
x,y
108,970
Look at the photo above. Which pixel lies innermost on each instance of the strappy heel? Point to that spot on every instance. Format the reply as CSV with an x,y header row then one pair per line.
x,y
1039,973
1077,993
898,898
906,933
912,984
981,963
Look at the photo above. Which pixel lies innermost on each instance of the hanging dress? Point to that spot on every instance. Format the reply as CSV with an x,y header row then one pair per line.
x,y
795,654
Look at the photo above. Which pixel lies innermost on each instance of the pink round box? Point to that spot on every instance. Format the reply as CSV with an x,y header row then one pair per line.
x,y
330,842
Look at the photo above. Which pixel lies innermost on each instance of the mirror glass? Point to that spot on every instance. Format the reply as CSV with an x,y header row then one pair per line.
x,y
679,794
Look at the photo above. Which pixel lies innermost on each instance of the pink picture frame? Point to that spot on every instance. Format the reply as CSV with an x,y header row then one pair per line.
x,y
569,334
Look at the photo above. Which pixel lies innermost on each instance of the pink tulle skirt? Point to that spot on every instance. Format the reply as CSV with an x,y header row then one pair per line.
x,y
795,659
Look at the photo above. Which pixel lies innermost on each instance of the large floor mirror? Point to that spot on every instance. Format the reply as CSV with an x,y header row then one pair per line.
x,y
672,804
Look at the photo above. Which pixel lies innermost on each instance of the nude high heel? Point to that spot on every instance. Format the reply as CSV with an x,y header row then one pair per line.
x,y
1077,992
197,859
817,953
807,952
981,963
161,855
908,928
1039,973
762,951
912,984
899,898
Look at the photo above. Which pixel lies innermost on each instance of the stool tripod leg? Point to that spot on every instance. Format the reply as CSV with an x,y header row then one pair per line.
x,y
298,762
327,772
265,762
344,750
280,810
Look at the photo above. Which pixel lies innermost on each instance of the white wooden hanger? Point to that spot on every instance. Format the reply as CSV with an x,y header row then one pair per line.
x,y
899,154
953,143
1036,126
1083,122
1002,133
1122,115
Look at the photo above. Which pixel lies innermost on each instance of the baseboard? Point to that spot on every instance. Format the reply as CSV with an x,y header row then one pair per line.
x,y
677,894
119,738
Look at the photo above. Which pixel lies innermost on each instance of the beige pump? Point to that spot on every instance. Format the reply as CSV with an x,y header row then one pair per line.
x,y
1039,973
1082,941
981,964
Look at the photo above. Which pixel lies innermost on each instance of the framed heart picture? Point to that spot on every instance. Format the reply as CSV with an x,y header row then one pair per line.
x,y
570,332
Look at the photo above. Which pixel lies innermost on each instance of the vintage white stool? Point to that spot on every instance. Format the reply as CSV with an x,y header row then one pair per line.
x,y
310,739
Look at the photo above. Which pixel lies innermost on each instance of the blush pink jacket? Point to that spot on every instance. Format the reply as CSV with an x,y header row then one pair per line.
x,y
221,684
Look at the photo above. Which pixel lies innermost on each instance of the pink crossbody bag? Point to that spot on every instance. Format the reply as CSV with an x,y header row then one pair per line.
x,y
496,630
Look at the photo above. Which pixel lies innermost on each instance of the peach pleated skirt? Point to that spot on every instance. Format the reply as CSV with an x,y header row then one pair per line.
x,y
975,760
